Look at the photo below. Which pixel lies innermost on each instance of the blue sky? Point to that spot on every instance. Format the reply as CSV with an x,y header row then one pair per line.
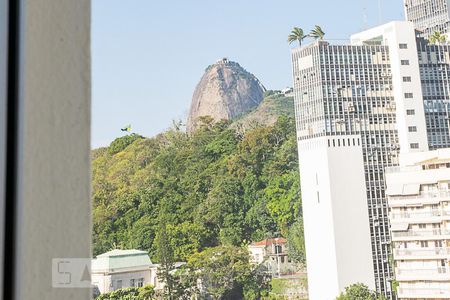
x,y
148,55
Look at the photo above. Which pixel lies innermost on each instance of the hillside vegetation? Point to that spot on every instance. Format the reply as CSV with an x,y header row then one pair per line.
x,y
216,186
274,105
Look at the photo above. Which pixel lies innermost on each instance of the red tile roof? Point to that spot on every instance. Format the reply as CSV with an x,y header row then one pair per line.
x,y
268,242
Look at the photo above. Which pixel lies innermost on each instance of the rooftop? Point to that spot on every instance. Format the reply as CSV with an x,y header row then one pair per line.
x,y
268,242
119,260
118,252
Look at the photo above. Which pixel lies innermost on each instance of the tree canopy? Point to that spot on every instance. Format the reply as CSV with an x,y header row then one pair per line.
x,y
359,291
216,186
134,293
297,35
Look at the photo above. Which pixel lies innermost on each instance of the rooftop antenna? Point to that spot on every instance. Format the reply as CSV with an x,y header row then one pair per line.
x,y
379,12
365,18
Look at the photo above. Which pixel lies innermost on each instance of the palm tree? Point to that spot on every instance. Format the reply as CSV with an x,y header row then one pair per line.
x,y
437,38
317,33
297,34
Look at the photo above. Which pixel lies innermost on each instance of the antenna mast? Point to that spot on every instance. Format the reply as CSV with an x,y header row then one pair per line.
x,y
365,18
379,12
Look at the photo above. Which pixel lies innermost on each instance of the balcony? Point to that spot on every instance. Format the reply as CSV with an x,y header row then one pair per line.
x,y
419,215
398,169
422,196
409,274
421,234
426,293
421,253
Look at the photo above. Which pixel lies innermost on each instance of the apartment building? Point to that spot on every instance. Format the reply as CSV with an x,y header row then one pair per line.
x,y
419,201
428,16
359,106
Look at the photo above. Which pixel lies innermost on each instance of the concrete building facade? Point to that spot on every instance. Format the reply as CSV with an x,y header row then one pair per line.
x,y
428,16
358,107
419,201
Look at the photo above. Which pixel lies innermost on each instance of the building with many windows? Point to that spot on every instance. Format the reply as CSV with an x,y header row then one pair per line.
x,y
434,66
359,106
419,201
428,16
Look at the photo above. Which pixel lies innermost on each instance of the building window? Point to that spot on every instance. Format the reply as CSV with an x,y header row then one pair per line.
x,y
407,79
132,282
409,95
403,46
405,62
282,259
415,146
412,129
119,284
424,244
278,249
140,282
410,112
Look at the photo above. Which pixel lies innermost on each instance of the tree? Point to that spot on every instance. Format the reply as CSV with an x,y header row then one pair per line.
x,y
225,272
166,259
296,243
297,34
133,293
437,38
121,143
317,33
146,292
359,291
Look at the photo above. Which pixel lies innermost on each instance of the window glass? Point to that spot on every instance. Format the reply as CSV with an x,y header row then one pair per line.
x,y
140,282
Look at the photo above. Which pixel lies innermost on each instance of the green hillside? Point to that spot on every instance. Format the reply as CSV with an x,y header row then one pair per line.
x,y
216,186
274,105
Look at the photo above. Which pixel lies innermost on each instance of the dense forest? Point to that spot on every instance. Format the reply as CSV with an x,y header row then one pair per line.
x,y
220,185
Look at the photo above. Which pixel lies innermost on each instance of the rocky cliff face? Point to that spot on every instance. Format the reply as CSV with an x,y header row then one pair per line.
x,y
225,91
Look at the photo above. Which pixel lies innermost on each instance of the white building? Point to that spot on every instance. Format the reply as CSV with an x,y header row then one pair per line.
x,y
357,107
419,201
273,255
119,269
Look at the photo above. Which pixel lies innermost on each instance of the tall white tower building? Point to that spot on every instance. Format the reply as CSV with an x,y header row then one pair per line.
x,y
357,107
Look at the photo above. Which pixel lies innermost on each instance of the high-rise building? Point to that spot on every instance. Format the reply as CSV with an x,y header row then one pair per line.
x,y
428,16
357,107
419,200
434,66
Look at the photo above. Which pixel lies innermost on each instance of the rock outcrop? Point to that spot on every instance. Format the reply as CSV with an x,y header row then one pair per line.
x,y
225,91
